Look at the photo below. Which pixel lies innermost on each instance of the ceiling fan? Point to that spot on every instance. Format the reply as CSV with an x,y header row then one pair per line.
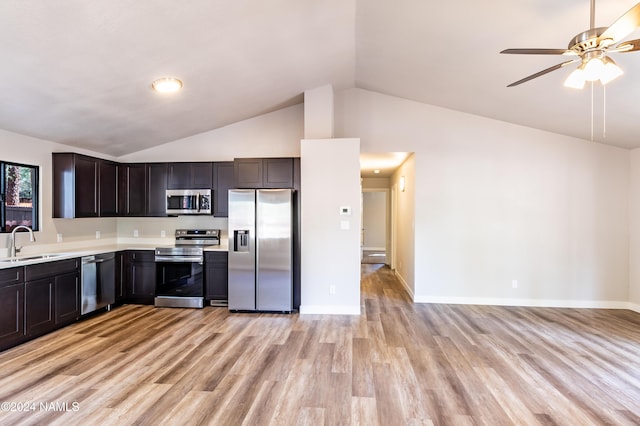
x,y
591,47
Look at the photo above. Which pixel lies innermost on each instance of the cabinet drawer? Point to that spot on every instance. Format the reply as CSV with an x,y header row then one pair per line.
x,y
47,269
142,256
11,276
216,257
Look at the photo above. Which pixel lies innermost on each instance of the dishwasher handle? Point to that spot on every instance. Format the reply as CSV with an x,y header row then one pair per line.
x,y
87,262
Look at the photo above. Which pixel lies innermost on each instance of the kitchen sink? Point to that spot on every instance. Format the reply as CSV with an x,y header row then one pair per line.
x,y
22,259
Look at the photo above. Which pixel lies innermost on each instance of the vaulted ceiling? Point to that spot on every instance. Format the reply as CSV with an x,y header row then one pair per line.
x,y
79,72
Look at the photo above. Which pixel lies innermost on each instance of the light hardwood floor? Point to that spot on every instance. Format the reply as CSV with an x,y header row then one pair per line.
x,y
398,363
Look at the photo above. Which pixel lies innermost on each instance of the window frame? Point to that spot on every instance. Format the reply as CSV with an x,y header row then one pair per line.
x,y
35,194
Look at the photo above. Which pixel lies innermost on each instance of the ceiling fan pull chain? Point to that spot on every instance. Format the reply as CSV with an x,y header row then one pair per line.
x,y
604,111
592,111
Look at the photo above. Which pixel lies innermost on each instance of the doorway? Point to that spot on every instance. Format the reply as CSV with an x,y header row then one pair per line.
x,y
375,226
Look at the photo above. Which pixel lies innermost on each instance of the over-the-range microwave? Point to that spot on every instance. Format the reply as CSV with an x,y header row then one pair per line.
x,y
189,201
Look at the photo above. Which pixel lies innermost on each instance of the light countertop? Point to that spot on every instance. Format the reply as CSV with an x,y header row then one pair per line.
x,y
70,253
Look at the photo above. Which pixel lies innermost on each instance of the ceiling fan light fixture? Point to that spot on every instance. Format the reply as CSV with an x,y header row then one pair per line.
x,y
593,68
576,79
611,71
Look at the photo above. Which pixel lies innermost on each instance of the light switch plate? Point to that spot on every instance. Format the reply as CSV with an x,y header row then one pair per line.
x,y
345,225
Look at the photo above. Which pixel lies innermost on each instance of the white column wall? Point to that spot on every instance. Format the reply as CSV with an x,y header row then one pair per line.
x,y
330,170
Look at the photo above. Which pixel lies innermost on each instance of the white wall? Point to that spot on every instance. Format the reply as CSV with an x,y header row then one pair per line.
x,y
276,134
405,224
496,202
318,112
330,171
634,230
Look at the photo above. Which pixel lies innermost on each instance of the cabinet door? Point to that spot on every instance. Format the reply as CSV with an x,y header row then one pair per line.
x,y
223,182
67,298
277,173
122,278
108,189
179,176
64,203
247,172
86,186
202,175
132,189
11,315
39,304
156,189
216,277
142,277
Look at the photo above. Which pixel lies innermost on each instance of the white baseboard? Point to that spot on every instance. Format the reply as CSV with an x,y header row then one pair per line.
x,y
542,303
634,307
374,248
329,310
404,284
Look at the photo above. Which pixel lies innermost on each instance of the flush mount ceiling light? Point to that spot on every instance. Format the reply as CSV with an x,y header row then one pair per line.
x,y
591,47
167,85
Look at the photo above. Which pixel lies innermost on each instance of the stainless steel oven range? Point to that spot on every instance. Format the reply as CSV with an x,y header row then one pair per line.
x,y
180,271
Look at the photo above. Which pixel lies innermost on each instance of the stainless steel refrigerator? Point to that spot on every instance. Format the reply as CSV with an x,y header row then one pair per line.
x,y
261,250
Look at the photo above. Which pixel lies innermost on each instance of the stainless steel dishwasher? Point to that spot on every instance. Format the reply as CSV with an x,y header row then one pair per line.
x,y
98,282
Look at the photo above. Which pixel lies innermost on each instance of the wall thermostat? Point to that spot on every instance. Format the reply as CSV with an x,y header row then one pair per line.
x,y
345,211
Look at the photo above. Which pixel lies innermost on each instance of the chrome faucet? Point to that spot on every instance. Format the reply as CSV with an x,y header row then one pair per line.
x,y
12,240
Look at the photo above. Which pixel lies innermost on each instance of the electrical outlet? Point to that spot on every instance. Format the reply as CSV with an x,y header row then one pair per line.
x,y
163,233
332,289
514,284
59,238
97,235
136,233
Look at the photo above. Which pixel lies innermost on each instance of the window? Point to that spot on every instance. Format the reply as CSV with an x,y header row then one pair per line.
x,y
19,186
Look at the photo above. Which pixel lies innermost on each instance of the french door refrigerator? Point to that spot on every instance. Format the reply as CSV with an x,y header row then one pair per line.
x,y
261,250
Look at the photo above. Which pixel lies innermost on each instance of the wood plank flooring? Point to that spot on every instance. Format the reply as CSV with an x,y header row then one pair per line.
x,y
398,363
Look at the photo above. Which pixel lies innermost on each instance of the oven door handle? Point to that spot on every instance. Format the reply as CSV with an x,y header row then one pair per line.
x,y
180,259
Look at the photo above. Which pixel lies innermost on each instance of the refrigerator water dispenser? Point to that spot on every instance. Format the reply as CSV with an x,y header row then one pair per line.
x,y
241,240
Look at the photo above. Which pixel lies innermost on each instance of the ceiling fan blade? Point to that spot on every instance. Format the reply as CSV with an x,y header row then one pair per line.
x,y
543,72
627,46
624,26
539,51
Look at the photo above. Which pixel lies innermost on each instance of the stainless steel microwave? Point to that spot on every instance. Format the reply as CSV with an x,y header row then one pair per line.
x,y
189,201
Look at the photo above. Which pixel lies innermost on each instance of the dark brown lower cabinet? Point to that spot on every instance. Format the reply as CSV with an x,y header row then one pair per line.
x,y
39,307
52,296
141,286
66,290
122,265
11,307
216,277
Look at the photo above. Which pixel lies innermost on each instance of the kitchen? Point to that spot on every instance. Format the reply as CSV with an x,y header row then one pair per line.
x,y
80,234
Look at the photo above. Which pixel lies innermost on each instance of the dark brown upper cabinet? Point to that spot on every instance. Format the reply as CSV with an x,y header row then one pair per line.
x,y
263,172
156,189
222,183
143,189
84,186
133,192
190,176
